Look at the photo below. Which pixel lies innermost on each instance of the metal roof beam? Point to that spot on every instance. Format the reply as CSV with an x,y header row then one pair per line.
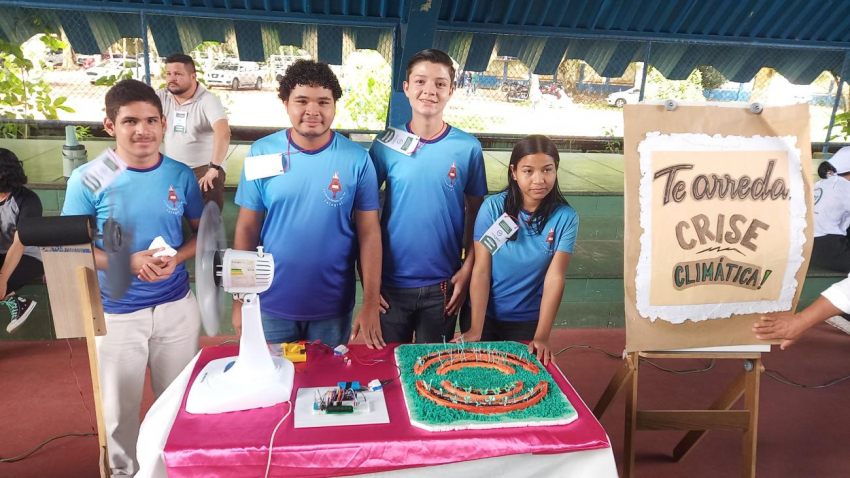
x,y
783,19
544,13
682,16
718,12
640,36
705,7
579,13
803,15
732,18
662,20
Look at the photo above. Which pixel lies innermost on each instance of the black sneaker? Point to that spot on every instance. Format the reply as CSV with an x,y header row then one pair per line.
x,y
20,308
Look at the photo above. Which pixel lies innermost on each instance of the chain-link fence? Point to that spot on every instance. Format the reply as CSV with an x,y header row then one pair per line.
x,y
505,84
77,56
584,96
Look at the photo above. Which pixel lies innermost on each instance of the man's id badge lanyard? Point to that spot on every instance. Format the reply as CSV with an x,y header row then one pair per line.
x,y
399,140
103,171
180,121
499,233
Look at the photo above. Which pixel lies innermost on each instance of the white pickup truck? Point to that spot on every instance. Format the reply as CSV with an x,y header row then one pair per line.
x,y
247,74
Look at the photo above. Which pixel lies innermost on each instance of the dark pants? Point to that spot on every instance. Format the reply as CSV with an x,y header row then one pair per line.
x,y
216,194
832,252
418,312
499,330
29,268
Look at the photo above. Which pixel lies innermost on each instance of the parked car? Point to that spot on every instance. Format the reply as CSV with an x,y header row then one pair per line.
x,y
236,75
86,61
55,58
279,64
119,67
622,98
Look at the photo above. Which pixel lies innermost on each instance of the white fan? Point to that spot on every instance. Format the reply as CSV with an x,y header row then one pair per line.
x,y
255,378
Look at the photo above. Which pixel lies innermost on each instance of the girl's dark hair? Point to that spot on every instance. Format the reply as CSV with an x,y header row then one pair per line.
x,y
824,169
534,144
12,176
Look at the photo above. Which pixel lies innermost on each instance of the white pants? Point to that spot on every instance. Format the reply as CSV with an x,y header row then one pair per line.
x,y
165,338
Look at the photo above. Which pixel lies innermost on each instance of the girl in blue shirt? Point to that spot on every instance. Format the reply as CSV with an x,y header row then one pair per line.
x,y
515,292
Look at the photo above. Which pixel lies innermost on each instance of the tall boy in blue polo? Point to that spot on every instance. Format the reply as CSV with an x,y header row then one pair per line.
x,y
156,322
310,212
433,189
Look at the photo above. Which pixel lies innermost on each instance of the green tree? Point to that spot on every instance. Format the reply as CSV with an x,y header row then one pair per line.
x,y
711,79
660,88
23,92
365,82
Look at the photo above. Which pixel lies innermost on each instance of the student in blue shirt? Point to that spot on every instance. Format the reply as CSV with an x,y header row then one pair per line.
x,y
516,291
431,199
311,216
157,321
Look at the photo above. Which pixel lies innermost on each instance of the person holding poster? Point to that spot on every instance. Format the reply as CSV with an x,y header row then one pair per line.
x,y
832,214
789,327
524,241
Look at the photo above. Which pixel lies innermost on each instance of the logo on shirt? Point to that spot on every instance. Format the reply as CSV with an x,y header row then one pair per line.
x,y
449,179
173,204
334,194
818,194
549,244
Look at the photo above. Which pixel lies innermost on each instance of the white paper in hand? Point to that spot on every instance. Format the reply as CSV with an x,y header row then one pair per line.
x,y
159,243
263,166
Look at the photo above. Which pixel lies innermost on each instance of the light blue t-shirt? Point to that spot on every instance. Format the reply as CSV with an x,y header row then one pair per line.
x,y
308,226
423,216
519,267
147,203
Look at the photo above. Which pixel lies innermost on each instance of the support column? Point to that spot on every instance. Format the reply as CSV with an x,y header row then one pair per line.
x,y
836,102
145,49
645,70
416,33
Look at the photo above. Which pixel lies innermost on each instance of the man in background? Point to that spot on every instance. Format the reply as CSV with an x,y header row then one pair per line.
x,y
198,133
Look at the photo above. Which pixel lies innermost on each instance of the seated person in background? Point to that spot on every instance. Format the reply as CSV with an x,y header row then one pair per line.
x,y
788,327
157,321
516,291
832,214
20,264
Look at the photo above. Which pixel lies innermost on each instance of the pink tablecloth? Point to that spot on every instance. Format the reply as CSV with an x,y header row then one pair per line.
x,y
236,444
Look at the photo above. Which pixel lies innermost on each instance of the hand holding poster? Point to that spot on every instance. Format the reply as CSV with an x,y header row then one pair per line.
x,y
718,223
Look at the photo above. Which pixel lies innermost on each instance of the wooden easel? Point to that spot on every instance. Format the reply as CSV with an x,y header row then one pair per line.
x,y
77,311
718,416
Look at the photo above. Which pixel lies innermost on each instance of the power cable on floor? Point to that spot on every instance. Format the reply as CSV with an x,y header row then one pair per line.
x,y
45,442
770,373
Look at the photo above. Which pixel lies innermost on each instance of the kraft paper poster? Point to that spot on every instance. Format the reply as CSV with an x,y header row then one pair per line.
x,y
718,223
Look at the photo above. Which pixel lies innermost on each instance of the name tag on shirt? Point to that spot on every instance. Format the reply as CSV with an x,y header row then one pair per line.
x,y
180,120
103,171
499,233
263,166
399,140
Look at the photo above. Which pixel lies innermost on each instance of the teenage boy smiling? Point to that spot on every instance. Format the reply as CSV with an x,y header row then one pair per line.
x,y
433,191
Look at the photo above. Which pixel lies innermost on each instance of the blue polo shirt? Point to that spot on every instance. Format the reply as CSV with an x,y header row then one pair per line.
x,y
308,226
147,203
423,217
519,267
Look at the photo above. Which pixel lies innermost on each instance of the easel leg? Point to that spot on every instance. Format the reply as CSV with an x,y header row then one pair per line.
x,y
631,419
85,281
751,403
723,402
617,383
